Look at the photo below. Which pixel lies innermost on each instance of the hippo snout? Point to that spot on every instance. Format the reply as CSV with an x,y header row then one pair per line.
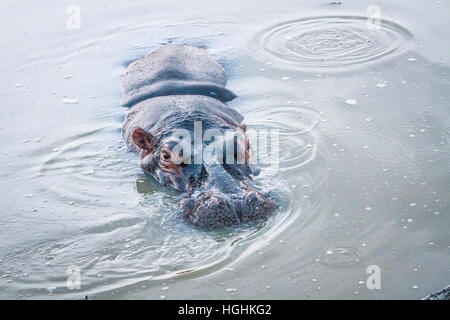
x,y
213,209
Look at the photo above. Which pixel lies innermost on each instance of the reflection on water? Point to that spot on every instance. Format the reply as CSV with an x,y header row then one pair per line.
x,y
359,184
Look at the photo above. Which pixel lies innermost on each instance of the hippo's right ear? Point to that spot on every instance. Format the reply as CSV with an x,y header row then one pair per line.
x,y
143,139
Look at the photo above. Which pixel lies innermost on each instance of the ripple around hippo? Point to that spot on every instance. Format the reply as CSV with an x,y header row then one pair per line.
x,y
330,42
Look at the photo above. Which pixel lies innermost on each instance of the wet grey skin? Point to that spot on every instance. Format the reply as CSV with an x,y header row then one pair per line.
x,y
169,90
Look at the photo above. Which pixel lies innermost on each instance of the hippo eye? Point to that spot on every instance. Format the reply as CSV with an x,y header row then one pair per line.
x,y
166,155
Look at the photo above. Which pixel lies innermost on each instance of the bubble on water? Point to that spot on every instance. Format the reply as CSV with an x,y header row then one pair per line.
x,y
381,85
285,78
330,42
412,59
352,102
51,289
415,287
230,290
68,76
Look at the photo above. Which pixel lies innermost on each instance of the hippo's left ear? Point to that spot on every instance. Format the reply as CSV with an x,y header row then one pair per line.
x,y
143,139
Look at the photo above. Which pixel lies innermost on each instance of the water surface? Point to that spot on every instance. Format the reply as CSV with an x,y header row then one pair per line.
x,y
364,123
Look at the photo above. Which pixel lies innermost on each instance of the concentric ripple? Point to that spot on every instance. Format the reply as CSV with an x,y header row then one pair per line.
x,y
332,41
296,140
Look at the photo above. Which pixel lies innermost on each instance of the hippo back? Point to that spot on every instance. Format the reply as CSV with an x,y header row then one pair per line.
x,y
174,70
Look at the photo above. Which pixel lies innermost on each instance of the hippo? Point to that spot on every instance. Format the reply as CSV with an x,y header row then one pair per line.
x,y
180,88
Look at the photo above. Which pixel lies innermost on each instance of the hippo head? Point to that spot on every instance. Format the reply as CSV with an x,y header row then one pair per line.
x,y
214,171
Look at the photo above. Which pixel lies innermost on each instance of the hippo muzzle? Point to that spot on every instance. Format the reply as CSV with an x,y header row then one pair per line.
x,y
212,209
227,197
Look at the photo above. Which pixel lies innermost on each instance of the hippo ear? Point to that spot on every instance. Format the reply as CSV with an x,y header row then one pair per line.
x,y
143,139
